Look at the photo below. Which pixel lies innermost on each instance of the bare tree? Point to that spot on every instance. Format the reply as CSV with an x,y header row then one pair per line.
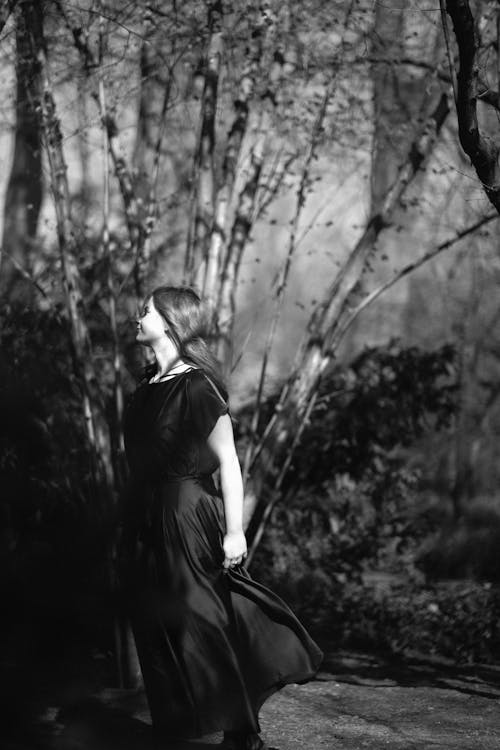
x,y
324,331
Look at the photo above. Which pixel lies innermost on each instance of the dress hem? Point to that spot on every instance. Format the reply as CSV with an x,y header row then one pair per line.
x,y
293,679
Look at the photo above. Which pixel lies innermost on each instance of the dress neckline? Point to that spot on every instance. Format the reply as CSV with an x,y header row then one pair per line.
x,y
174,376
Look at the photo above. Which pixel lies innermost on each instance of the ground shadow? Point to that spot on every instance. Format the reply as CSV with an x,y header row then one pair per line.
x,y
377,670
96,725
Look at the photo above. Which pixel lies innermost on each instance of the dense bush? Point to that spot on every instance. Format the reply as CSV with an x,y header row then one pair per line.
x,y
353,505
467,548
367,414
350,485
452,620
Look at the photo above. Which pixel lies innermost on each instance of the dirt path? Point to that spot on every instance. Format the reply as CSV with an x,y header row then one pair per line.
x,y
328,714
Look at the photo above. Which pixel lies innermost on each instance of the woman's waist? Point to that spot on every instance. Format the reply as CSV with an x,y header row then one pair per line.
x,y
154,483
196,478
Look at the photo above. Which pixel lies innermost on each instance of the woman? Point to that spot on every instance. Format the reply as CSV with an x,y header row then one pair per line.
x,y
212,643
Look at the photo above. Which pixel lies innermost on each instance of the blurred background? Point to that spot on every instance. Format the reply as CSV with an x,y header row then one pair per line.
x,y
300,164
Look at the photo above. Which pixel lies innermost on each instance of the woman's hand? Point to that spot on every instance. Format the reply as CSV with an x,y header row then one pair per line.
x,y
235,548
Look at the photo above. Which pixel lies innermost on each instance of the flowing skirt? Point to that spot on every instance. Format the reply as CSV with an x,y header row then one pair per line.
x,y
213,644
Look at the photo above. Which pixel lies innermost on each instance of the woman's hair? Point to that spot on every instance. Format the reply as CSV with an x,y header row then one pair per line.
x,y
182,310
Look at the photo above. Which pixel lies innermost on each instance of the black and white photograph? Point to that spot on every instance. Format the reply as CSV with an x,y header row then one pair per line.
x,y
250,374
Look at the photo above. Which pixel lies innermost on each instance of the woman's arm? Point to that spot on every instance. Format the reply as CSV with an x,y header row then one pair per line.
x,y
221,442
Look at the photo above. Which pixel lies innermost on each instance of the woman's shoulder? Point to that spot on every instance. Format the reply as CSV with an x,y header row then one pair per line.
x,y
202,385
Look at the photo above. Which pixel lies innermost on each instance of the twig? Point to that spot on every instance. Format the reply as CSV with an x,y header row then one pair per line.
x,y
29,277
449,54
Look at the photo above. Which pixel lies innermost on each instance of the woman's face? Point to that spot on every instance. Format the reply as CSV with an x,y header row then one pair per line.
x,y
150,324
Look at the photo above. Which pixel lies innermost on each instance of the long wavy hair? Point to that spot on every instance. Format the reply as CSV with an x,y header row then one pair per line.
x,y
183,312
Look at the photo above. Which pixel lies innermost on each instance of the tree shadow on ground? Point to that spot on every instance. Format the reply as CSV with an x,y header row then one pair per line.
x,y
92,725
99,726
75,713
378,671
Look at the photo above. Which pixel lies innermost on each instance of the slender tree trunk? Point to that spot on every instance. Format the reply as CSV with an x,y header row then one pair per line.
x,y
244,216
463,483
25,187
204,195
151,127
93,408
260,31
146,119
242,224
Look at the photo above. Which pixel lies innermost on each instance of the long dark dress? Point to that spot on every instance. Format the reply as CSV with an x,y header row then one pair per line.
x,y
213,644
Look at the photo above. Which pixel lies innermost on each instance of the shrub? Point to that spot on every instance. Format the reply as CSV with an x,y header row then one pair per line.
x,y
452,620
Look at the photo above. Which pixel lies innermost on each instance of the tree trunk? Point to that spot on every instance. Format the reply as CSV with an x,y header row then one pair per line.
x,y
245,215
197,254
24,190
260,30
482,149
93,408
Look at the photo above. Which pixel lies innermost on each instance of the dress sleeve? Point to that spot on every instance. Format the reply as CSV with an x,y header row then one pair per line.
x,y
206,404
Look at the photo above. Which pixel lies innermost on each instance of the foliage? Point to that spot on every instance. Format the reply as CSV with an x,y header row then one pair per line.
x,y
356,508
456,621
467,548
351,467
369,412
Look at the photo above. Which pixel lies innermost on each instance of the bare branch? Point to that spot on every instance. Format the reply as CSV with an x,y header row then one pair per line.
x,y
6,8
32,280
340,294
